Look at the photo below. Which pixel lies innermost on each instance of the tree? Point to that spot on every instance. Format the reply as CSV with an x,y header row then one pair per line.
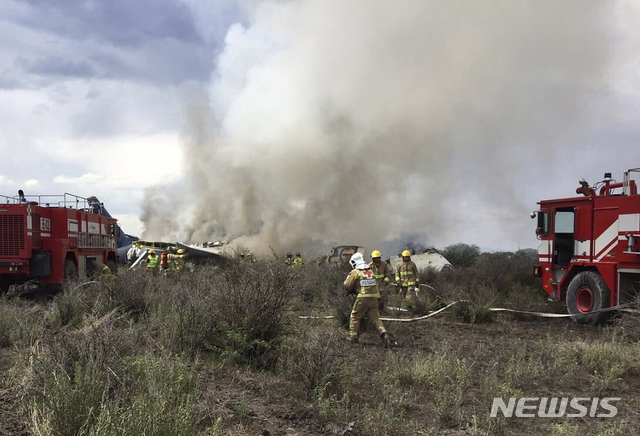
x,y
461,255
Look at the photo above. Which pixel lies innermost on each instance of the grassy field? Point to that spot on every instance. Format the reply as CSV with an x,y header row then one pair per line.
x,y
223,352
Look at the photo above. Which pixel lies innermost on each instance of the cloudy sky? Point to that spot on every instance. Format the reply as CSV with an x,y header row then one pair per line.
x,y
445,123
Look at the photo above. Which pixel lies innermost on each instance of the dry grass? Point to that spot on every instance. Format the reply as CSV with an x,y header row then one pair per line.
x,y
137,356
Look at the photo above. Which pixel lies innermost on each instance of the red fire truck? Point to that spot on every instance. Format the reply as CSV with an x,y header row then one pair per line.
x,y
589,249
47,239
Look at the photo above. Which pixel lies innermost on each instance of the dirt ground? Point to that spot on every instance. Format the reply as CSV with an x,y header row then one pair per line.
x,y
260,404
266,409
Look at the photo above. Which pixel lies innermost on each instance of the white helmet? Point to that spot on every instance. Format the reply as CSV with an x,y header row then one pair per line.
x,y
357,261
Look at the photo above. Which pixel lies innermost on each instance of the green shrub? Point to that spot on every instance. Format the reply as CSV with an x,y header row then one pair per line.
x,y
606,361
157,397
461,255
314,359
21,323
473,313
442,375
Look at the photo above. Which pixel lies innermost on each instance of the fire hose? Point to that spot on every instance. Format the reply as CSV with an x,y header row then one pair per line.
x,y
621,308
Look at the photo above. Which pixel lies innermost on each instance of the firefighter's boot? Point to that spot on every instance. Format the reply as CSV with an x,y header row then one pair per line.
x,y
388,340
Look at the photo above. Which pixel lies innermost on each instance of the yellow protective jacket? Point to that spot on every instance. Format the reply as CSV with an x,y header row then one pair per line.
x,y
363,283
407,274
105,271
152,261
179,261
381,272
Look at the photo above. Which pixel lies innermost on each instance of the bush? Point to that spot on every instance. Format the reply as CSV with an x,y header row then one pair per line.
x,y
441,377
473,313
72,372
461,255
157,398
252,302
606,362
101,380
21,323
314,359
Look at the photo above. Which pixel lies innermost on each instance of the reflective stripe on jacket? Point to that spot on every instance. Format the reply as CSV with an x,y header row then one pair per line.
x,y
363,283
152,261
407,274
381,272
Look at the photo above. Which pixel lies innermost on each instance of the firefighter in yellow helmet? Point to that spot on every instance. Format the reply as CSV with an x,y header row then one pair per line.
x,y
362,282
152,262
407,279
298,260
179,261
289,260
103,272
381,271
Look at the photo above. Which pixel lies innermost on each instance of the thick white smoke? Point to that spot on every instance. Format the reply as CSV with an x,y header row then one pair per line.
x,y
366,121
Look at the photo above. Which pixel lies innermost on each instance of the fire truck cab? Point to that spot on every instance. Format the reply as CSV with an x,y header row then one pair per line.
x,y
589,251
47,239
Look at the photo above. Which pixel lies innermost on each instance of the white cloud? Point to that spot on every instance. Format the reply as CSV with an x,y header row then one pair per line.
x,y
85,178
30,183
130,223
4,181
124,161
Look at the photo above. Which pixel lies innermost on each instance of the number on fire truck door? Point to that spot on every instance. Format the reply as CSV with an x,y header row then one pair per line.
x,y
45,224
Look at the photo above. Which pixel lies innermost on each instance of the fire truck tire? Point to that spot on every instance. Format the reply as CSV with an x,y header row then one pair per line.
x,y
70,270
588,292
112,266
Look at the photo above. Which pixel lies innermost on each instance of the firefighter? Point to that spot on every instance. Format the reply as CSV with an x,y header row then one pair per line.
x,y
179,261
105,275
298,260
362,282
152,262
381,272
104,271
164,262
289,259
407,280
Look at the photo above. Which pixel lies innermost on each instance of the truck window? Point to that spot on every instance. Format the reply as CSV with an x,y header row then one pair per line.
x,y
563,230
543,223
564,222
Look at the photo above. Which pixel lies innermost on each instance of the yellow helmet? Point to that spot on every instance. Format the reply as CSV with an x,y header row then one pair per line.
x,y
152,251
181,251
406,253
375,253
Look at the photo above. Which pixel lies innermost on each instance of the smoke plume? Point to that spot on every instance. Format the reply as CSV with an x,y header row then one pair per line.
x,y
361,122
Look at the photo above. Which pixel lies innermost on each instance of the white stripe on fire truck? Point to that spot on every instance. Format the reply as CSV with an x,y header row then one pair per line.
x,y
544,249
45,235
608,249
29,223
629,222
605,240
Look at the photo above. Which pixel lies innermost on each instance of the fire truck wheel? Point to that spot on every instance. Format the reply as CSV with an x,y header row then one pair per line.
x,y
588,292
70,270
